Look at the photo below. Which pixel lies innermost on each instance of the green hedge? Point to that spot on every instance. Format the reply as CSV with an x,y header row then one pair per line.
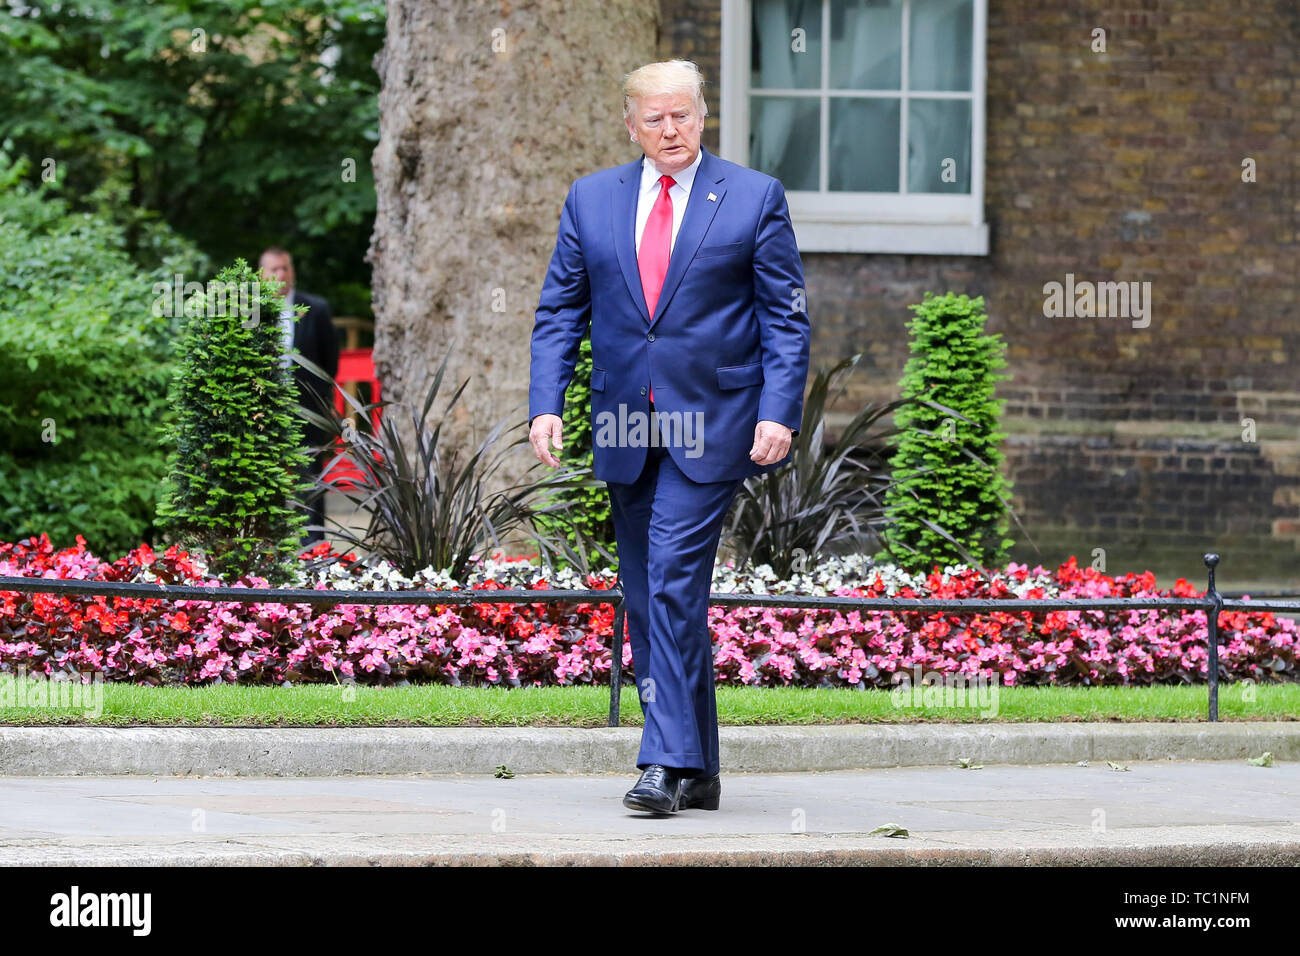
x,y
236,456
947,468
84,367
591,510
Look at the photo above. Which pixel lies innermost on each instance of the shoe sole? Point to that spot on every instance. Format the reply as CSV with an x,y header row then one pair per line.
x,y
632,803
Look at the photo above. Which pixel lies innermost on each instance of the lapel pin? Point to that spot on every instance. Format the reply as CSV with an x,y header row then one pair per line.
x,y
712,197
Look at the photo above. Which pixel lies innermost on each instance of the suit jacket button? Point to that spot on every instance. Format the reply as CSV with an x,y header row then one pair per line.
x,y
643,391
650,337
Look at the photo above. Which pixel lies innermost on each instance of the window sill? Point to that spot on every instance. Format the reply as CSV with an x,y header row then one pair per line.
x,y
897,238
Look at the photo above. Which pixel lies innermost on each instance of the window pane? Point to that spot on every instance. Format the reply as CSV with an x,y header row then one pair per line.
x,y
785,132
938,139
780,58
939,44
866,45
864,145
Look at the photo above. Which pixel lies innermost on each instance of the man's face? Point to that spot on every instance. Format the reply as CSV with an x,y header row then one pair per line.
x,y
668,127
278,269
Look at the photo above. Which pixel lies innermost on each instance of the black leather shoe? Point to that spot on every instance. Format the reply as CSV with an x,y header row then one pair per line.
x,y
701,793
659,790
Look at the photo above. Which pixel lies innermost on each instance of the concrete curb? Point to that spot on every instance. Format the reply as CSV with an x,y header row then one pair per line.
x,y
813,850
321,752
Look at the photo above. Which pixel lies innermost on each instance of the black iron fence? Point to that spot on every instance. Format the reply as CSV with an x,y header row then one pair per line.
x,y
1212,602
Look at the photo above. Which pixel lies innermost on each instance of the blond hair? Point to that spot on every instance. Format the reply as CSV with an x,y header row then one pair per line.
x,y
666,76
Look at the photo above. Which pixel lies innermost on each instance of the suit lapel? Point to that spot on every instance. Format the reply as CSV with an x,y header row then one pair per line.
x,y
622,213
699,214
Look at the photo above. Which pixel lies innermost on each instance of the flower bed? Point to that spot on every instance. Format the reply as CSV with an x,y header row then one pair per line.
x,y
195,642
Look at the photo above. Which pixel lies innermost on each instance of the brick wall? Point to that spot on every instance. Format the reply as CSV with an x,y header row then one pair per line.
x,y
1123,166
692,30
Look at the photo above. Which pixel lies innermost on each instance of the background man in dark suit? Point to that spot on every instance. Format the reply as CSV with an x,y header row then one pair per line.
x,y
313,337
685,268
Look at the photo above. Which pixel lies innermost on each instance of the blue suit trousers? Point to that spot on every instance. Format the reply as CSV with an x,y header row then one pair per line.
x,y
668,527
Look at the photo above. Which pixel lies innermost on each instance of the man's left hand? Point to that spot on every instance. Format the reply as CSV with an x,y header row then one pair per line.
x,y
771,443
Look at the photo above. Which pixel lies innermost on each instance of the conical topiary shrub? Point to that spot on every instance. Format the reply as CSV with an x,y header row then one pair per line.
x,y
948,500
237,453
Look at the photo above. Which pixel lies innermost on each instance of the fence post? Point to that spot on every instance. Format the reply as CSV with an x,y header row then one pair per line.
x,y
1212,634
616,658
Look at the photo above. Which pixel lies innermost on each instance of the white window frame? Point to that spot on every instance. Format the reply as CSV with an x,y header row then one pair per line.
x,y
857,221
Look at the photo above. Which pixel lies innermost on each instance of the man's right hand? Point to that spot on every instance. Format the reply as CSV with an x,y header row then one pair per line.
x,y
544,434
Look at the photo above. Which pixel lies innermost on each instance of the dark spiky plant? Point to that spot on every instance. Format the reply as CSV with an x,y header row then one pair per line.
x,y
430,507
946,469
237,445
826,499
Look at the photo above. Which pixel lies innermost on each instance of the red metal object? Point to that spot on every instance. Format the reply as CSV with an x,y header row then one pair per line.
x,y
356,366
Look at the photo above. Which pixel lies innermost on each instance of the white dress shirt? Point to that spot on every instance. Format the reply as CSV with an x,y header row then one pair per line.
x,y
286,328
679,192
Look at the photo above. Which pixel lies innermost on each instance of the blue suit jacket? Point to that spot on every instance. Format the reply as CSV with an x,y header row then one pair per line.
x,y
728,343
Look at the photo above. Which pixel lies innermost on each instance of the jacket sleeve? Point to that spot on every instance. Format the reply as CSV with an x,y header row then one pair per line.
x,y
562,318
780,302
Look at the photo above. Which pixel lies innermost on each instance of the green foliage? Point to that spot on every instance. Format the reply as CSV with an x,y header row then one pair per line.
x,y
589,516
232,119
948,503
237,442
84,368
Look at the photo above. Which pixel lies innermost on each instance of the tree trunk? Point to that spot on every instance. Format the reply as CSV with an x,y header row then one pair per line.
x,y
488,111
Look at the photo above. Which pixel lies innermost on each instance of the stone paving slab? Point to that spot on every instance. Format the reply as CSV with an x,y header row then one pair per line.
x,y
1156,813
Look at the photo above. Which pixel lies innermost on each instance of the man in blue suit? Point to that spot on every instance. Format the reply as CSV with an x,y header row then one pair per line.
x,y
685,268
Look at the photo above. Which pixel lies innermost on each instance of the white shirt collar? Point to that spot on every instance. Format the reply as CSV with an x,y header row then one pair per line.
x,y
650,175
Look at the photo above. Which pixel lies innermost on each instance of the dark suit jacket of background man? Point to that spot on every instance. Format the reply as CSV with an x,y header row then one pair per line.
x,y
314,337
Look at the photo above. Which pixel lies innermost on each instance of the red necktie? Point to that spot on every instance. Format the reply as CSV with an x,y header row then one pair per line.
x,y
656,247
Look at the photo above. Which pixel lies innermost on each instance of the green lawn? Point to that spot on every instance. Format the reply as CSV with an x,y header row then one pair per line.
x,y
437,705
